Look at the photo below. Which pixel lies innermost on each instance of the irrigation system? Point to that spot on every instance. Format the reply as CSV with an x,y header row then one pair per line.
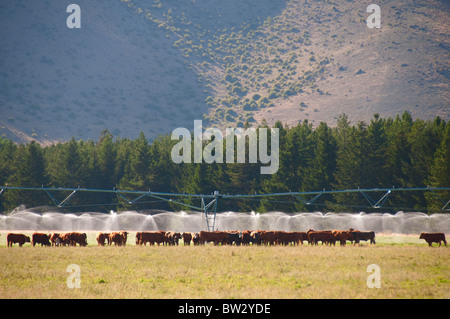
x,y
208,203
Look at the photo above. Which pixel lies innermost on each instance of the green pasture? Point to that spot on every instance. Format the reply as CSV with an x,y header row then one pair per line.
x,y
408,269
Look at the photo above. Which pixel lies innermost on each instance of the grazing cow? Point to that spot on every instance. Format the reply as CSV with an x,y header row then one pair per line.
x,y
267,237
325,236
54,239
342,236
78,238
64,239
158,237
118,238
301,236
173,238
363,235
286,238
124,235
282,238
39,238
72,239
196,239
433,238
20,239
256,237
138,238
216,236
187,237
101,237
246,239
233,237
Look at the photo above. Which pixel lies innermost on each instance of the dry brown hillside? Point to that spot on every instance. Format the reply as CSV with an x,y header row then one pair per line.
x,y
156,65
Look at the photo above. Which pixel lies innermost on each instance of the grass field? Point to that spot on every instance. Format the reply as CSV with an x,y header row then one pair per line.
x,y
408,269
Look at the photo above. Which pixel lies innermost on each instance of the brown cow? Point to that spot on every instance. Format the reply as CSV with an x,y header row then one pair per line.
x,y
64,239
283,238
72,239
216,237
78,238
267,237
173,237
39,238
124,235
246,238
286,238
54,239
433,238
20,239
196,239
325,236
118,238
138,238
187,237
342,236
301,236
157,237
101,237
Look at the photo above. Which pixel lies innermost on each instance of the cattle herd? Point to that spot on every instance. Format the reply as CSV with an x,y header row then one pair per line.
x,y
312,237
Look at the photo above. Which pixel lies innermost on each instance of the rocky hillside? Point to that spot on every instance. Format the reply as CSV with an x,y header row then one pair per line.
x,y
152,66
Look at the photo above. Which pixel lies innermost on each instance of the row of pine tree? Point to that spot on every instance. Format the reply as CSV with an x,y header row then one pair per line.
x,y
399,152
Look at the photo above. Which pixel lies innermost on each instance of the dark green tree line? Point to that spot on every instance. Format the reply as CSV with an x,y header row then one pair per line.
x,y
399,152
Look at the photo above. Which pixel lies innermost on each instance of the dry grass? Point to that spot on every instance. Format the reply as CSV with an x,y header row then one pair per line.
x,y
407,271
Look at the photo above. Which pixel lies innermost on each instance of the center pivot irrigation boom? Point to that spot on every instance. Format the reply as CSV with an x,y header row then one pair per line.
x,y
209,203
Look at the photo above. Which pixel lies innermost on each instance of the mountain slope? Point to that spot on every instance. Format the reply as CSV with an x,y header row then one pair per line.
x,y
156,65
117,72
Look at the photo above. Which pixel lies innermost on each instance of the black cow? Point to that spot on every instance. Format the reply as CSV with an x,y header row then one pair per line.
x,y
363,235
234,238
256,237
